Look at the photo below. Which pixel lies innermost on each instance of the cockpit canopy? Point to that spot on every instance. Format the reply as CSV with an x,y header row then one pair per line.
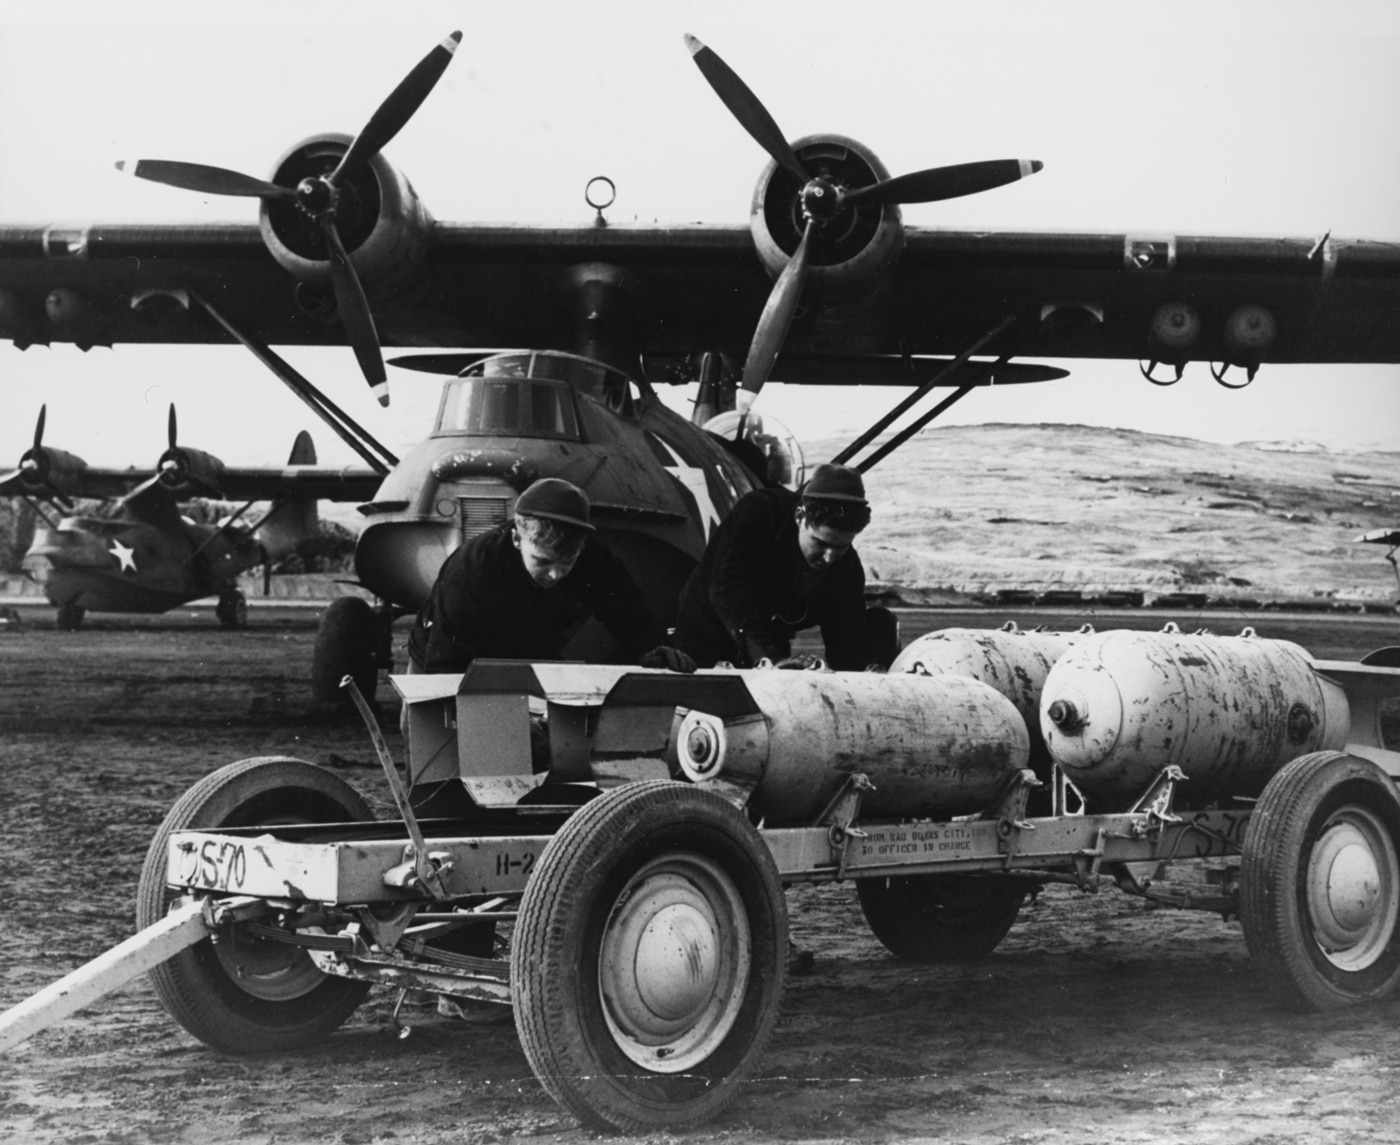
x,y
530,394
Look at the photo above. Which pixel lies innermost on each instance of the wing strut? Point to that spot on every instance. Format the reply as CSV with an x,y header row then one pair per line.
x,y
908,402
346,428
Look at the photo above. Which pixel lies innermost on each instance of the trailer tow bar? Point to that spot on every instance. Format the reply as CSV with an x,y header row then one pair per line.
x,y
185,925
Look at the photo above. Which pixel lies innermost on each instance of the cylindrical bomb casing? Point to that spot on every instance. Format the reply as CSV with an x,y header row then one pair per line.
x,y
1229,711
933,746
1012,661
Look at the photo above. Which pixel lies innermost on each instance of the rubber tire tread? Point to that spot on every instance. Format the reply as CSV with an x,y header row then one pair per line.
x,y
557,1010
1275,928
345,645
899,912
193,986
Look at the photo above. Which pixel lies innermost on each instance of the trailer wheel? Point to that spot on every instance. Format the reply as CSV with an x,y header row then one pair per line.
x,y
649,959
939,918
1320,883
247,995
346,640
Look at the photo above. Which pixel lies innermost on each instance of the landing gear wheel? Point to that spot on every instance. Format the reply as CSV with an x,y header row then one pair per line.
x,y
1320,882
649,958
248,995
345,646
939,918
232,610
70,617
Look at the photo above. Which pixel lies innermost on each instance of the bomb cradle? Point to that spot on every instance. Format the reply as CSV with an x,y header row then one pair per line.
x,y
604,849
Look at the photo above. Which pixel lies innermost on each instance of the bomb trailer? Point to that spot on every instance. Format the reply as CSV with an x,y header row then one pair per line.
x,y
605,849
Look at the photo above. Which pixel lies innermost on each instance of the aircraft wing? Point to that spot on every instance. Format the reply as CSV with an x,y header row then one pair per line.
x,y
702,288
234,483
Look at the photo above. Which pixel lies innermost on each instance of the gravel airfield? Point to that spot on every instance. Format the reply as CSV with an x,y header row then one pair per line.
x,y
1098,1019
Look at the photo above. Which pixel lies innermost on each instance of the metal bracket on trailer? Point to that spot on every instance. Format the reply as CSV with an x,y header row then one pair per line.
x,y
1156,802
841,813
1009,811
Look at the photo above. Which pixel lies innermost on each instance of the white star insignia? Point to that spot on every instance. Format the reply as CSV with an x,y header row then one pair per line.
x,y
693,478
126,557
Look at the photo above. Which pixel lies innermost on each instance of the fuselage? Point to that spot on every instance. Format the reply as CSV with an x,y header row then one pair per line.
x,y
657,484
116,564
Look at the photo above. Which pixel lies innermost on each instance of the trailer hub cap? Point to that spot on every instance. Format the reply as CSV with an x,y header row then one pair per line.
x,y
674,962
1351,883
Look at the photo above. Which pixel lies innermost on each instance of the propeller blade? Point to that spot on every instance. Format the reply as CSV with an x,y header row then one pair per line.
x,y
753,117
391,115
945,182
39,426
355,314
207,180
170,427
773,325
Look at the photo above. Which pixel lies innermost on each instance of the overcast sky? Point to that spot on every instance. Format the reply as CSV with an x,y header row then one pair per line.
x,y
1249,117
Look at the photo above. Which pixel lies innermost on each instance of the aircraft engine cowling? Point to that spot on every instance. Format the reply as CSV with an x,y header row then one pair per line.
x,y
379,218
851,252
43,469
190,472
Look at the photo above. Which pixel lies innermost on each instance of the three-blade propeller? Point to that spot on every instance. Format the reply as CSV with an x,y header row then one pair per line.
x,y
822,200
33,470
318,197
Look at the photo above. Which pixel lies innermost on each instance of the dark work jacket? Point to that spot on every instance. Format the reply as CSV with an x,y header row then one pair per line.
x,y
485,604
752,591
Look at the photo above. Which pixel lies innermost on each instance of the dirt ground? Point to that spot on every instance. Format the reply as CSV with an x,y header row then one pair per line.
x,y
1097,1020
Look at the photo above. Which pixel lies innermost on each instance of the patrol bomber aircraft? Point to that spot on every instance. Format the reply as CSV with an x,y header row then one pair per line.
x,y
148,554
825,284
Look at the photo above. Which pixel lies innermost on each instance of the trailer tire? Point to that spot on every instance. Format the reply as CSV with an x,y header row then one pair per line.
x,y
346,640
1320,883
250,996
939,918
649,958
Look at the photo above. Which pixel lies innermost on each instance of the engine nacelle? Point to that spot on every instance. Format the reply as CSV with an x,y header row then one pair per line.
x,y
190,472
853,251
43,470
381,222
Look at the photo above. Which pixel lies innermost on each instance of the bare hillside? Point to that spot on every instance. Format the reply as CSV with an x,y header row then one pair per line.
x,y
981,508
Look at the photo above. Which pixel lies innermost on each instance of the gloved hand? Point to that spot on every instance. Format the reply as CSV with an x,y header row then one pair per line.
x,y
672,659
802,663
